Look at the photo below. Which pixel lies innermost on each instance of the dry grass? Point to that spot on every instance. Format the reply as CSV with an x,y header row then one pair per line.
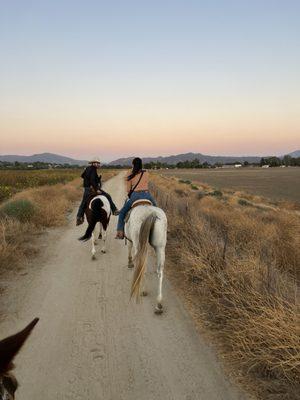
x,y
240,266
51,205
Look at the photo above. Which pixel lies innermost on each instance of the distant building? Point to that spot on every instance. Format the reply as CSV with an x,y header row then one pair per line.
x,y
265,166
237,165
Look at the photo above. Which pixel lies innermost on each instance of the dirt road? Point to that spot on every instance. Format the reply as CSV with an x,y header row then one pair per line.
x,y
92,343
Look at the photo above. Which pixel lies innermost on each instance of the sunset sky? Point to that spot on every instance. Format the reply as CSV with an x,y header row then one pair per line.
x,y
159,77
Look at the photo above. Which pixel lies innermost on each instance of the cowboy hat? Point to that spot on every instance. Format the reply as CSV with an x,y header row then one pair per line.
x,y
95,160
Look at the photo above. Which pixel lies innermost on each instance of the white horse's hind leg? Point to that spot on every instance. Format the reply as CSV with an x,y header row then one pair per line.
x,y
160,257
93,246
130,260
103,250
100,231
143,284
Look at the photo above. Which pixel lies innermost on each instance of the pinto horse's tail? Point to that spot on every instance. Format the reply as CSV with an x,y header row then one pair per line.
x,y
97,204
141,255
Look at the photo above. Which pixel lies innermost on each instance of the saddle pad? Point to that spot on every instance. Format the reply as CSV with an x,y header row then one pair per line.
x,y
106,205
142,202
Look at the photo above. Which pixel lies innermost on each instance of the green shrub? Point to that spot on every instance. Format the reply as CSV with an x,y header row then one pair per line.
x,y
216,193
22,210
243,202
5,192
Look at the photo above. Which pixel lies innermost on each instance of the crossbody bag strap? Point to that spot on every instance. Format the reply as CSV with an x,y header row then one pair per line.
x,y
136,185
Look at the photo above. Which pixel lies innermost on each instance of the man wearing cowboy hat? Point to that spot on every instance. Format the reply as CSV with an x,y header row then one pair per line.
x,y
91,180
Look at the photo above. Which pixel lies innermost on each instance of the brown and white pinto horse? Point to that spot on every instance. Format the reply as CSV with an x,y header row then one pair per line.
x,y
97,210
9,348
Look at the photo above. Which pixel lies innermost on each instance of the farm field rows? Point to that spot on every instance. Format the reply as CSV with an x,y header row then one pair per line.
x,y
273,183
13,181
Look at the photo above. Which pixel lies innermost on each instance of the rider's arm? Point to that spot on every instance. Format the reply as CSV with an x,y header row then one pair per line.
x,y
94,180
128,183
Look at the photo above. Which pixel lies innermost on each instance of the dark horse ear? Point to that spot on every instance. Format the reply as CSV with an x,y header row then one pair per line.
x,y
10,346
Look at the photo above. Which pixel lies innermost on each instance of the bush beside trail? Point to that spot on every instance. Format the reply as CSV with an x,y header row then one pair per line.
x,y
22,210
239,270
32,210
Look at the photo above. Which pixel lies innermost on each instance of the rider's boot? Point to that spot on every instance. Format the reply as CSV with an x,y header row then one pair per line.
x,y
119,235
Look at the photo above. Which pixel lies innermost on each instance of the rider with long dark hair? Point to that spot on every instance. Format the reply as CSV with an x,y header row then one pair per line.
x,y
137,189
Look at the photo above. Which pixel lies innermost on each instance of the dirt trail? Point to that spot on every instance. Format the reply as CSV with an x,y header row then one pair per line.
x,y
92,343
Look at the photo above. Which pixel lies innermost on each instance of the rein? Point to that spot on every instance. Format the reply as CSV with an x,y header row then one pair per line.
x,y
126,238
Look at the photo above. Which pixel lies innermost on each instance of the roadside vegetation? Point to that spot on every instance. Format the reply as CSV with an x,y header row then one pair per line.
x,y
13,181
236,261
42,204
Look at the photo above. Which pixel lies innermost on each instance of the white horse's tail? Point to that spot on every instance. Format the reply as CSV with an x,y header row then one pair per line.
x,y
141,255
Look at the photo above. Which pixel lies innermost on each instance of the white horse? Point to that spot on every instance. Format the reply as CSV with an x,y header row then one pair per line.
x,y
146,223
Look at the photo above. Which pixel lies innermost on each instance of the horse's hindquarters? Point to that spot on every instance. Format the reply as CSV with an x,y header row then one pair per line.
x,y
147,224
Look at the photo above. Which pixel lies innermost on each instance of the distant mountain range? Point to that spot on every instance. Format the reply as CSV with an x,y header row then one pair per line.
x,y
172,160
295,154
44,157
59,159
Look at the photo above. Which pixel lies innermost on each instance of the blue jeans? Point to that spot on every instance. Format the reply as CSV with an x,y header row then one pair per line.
x,y
128,203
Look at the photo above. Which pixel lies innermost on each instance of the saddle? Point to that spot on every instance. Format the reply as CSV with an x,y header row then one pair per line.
x,y
141,202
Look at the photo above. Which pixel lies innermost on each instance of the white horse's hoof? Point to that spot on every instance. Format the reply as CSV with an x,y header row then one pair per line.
x,y
100,236
103,251
93,257
144,293
158,309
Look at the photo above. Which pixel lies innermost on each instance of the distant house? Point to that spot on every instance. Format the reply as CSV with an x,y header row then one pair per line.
x,y
29,166
265,166
227,166
237,165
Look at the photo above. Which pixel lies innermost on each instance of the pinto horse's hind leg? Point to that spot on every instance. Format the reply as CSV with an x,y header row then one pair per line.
x,y
103,250
93,246
160,257
100,232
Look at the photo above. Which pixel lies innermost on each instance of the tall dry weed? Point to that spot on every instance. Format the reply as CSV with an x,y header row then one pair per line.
x,y
240,267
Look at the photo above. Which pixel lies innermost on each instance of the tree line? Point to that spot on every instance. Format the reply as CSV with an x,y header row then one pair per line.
x,y
286,161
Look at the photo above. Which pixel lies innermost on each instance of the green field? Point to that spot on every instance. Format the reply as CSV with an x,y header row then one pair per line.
x,y
273,183
13,181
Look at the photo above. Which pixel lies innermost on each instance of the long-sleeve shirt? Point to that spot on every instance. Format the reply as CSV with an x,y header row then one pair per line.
x,y
91,178
143,185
